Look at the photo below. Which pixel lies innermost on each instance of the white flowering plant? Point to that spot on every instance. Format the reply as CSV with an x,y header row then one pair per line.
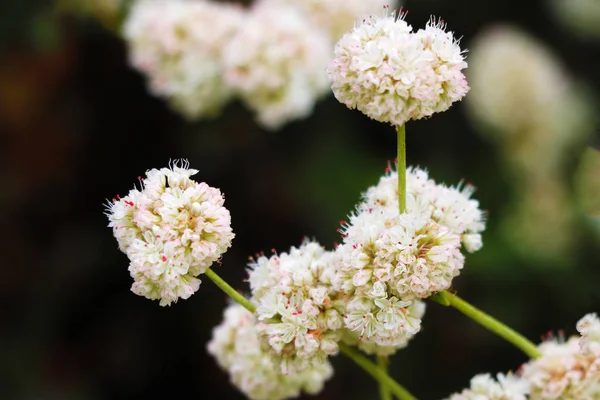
x,y
404,243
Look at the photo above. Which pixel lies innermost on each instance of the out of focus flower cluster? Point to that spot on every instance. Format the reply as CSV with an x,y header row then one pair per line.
x,y
200,54
567,370
523,99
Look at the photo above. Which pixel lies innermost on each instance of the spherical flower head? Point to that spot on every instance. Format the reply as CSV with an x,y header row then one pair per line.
x,y
275,63
518,84
394,75
562,372
484,387
177,44
336,17
589,328
298,318
172,230
236,347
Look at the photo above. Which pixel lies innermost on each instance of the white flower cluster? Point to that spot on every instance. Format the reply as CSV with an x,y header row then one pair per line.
x,y
518,84
297,307
566,370
276,63
177,45
484,387
172,230
393,74
199,54
389,261
236,347
523,98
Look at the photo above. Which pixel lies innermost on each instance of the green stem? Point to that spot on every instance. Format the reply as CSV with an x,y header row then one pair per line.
x,y
229,291
384,390
382,377
489,322
401,130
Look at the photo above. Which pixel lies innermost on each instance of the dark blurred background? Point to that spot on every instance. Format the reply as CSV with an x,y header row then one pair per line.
x,y
78,126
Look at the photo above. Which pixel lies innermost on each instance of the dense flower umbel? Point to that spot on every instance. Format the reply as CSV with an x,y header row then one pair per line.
x,y
276,63
236,347
392,74
172,230
178,44
297,308
484,387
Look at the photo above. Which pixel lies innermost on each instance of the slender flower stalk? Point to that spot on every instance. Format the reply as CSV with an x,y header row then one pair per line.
x,y
448,299
369,367
384,390
231,292
401,130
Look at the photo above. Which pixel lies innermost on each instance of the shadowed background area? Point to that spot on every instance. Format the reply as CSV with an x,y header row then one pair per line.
x,y
79,126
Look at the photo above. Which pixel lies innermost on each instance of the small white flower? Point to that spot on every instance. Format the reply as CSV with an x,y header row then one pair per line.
x,y
381,326
275,63
236,347
178,44
172,230
392,74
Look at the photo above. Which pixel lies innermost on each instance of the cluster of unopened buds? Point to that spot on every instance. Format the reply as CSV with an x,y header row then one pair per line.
x,y
404,243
